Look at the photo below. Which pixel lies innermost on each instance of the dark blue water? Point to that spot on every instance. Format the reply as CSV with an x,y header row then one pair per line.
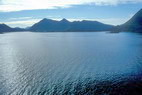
x,y
71,63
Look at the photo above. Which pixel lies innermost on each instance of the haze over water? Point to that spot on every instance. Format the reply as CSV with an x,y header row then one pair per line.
x,y
67,63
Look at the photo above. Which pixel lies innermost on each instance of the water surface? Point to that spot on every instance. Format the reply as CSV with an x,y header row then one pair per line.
x,y
71,63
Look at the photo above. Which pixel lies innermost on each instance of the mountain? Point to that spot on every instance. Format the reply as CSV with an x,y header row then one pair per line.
x,y
19,29
133,25
89,26
48,25
6,28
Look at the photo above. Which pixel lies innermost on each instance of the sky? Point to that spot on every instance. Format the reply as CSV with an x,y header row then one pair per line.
x,y
24,13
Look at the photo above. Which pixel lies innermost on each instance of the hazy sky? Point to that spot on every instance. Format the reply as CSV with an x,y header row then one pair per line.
x,y
23,13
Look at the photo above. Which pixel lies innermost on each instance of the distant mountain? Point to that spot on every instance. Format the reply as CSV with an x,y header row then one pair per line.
x,y
19,29
133,25
6,28
89,26
48,25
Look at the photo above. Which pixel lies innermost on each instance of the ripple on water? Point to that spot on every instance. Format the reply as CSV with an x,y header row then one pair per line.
x,y
70,63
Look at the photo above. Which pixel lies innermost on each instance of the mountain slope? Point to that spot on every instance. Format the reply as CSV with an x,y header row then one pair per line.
x,y
133,25
6,28
64,25
89,26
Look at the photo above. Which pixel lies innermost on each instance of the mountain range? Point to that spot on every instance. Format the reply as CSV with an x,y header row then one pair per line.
x,y
49,25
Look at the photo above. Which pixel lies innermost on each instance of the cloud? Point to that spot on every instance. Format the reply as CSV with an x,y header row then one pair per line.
x,y
22,23
20,18
18,5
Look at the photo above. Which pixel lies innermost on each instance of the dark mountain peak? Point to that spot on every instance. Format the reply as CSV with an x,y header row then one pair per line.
x,y
45,20
4,25
140,11
139,14
64,20
132,25
136,19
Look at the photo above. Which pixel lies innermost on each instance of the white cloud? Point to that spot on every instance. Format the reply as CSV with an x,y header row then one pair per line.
x,y
21,23
17,5
20,18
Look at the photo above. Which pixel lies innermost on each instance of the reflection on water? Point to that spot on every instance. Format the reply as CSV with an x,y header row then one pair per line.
x,y
70,63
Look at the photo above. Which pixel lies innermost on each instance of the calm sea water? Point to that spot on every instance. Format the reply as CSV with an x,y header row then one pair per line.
x,y
82,63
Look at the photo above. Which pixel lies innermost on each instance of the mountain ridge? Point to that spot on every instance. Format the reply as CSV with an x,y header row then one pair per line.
x,y
132,25
49,25
6,28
